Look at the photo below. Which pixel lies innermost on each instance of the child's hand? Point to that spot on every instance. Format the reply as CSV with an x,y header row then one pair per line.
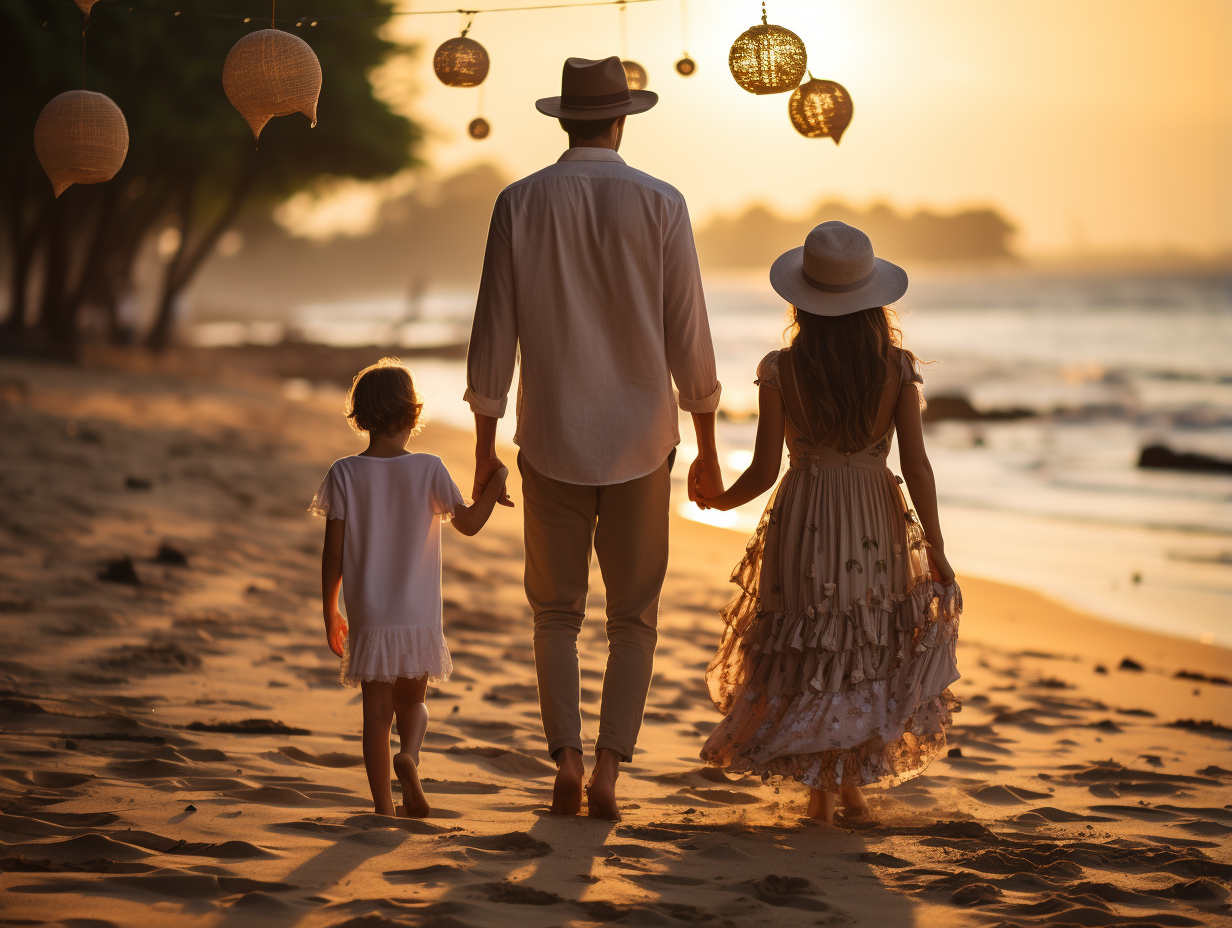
x,y
939,567
336,632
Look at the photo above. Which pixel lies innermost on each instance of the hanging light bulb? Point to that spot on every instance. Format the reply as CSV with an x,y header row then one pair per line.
x,y
820,109
80,137
767,58
686,66
461,62
479,128
272,73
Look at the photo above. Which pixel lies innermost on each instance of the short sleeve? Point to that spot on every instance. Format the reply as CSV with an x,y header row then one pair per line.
x,y
911,370
444,493
330,498
768,371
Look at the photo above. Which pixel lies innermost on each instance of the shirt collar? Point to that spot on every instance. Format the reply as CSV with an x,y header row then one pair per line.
x,y
582,153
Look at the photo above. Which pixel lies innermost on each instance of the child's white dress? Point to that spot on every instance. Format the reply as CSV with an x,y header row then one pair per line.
x,y
391,562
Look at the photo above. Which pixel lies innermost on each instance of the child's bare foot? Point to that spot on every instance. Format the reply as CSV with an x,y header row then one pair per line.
x,y
821,806
601,790
567,790
414,803
855,806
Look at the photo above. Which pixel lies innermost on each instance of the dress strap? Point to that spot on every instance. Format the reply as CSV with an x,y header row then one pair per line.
x,y
791,396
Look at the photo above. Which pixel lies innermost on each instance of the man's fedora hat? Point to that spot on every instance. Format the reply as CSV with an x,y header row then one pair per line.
x,y
835,273
595,90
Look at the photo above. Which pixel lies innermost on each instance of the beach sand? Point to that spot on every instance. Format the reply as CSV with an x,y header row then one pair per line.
x,y
177,748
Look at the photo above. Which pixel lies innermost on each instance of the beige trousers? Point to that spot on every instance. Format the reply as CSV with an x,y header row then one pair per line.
x,y
626,523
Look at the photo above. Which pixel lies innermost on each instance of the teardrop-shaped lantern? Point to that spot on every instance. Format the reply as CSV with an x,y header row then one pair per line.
x,y
272,73
767,59
479,128
686,66
85,6
81,137
820,109
635,75
461,62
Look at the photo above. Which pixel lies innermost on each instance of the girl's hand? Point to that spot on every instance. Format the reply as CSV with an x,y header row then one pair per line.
x,y
336,632
939,566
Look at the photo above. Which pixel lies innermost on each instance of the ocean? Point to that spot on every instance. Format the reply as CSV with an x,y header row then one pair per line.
x,y
1054,501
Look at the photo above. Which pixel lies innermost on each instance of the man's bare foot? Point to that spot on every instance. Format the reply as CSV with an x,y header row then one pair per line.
x,y
854,804
567,790
821,806
414,802
601,790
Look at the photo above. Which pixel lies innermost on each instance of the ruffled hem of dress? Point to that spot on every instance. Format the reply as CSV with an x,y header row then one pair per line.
x,y
384,655
886,760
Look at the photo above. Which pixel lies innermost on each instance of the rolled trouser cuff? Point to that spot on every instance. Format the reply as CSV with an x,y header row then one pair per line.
x,y
564,742
624,749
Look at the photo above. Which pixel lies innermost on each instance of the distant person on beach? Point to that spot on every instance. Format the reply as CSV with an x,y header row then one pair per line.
x,y
591,278
838,652
383,509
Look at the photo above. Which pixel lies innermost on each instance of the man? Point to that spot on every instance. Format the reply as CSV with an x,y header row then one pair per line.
x,y
592,273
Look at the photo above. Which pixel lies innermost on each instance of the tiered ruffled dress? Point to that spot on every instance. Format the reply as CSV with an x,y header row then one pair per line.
x,y
838,651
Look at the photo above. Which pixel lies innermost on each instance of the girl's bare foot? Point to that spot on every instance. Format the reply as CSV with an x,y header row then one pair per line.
x,y
854,803
414,802
601,790
567,790
821,806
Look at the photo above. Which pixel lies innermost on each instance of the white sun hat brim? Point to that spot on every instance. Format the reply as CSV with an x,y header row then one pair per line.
x,y
888,284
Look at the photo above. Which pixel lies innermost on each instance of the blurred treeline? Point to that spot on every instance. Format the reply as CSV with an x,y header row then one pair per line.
x,y
192,163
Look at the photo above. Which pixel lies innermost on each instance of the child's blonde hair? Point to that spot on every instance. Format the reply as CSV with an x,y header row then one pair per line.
x,y
383,399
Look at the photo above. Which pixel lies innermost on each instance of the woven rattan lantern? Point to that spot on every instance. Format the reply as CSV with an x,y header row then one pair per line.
x,y
686,66
80,138
272,73
479,128
820,109
461,62
636,76
767,58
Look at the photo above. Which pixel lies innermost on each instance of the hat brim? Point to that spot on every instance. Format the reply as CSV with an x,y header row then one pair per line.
x,y
639,102
889,283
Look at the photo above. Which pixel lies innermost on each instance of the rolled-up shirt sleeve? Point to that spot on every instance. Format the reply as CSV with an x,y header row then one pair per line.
x,y
690,350
493,347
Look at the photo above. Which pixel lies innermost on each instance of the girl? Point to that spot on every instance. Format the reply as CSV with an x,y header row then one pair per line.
x,y
383,510
837,655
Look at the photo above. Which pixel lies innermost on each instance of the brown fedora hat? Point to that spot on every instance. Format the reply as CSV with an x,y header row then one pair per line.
x,y
595,90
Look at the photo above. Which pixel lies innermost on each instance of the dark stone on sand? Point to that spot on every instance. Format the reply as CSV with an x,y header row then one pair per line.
x,y
1100,668
190,808
249,727
954,752
138,483
172,556
1128,663
1161,457
1213,771
1203,727
959,407
121,570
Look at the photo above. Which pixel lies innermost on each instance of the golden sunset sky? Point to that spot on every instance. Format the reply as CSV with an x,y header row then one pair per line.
x,y
1093,124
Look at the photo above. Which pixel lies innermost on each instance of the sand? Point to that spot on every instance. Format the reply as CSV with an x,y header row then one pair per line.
x,y
177,749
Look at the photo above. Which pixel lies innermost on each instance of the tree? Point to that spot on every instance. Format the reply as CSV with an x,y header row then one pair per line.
x,y
192,161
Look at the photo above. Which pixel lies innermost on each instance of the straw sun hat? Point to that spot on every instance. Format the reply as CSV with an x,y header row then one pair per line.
x,y
835,273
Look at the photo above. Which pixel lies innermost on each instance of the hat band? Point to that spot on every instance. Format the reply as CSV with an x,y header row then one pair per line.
x,y
595,100
839,288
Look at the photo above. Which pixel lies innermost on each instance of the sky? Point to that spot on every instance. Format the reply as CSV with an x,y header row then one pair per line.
x,y
1095,126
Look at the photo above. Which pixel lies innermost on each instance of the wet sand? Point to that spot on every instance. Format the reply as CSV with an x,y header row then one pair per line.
x,y
177,749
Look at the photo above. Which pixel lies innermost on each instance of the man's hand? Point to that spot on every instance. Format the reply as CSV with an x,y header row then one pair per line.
x,y
336,632
485,469
705,479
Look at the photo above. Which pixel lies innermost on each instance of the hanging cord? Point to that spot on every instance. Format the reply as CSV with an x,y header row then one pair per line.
x,y
391,13
763,13
479,114
624,31
84,26
684,26
273,20
469,23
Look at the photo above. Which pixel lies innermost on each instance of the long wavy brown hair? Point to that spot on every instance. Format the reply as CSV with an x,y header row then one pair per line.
x,y
841,365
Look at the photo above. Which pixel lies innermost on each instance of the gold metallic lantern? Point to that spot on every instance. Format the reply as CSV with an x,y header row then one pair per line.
x,y
820,109
81,137
461,62
686,66
767,58
479,128
272,73
635,74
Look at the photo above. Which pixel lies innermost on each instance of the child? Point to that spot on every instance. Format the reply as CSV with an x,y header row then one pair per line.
x,y
383,510
837,655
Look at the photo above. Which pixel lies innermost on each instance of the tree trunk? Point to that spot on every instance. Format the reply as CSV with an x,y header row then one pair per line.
x,y
188,261
24,236
57,340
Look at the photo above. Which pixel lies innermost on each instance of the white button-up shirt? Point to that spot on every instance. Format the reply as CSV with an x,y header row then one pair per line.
x,y
592,271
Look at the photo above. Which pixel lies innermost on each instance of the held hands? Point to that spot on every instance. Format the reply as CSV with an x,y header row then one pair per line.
x,y
335,632
705,480
487,469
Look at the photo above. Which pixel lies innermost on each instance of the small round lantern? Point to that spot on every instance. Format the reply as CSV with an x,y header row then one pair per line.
x,y
81,137
272,73
820,109
479,128
686,66
461,62
767,58
635,74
